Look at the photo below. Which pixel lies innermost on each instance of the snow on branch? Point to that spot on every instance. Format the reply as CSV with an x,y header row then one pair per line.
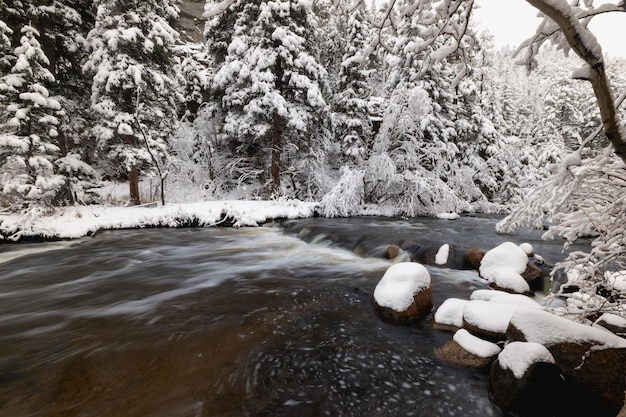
x,y
566,26
212,10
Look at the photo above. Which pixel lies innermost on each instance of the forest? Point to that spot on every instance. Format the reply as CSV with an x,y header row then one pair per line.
x,y
402,108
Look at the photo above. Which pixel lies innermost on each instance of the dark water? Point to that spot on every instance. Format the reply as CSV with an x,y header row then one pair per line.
x,y
272,321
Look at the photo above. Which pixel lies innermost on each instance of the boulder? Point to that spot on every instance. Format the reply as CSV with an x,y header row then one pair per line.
x,y
468,350
392,252
472,258
438,255
454,354
404,292
525,381
613,323
488,320
592,359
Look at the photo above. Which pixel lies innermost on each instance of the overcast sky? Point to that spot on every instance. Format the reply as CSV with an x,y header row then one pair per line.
x,y
513,21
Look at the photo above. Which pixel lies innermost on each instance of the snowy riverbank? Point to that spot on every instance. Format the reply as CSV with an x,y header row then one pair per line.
x,y
78,221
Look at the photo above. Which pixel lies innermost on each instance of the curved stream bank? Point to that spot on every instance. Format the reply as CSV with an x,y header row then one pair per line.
x,y
269,321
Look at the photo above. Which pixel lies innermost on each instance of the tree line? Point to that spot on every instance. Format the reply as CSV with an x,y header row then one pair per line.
x,y
284,98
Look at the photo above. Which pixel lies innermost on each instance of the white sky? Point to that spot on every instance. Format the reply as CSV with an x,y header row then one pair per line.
x,y
512,21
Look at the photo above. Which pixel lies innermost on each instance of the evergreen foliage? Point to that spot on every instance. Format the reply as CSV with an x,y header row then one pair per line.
x,y
29,126
131,61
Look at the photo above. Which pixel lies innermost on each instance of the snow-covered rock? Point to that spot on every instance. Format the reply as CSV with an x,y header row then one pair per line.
x,y
476,345
519,356
503,297
404,292
450,313
592,358
525,381
503,266
488,319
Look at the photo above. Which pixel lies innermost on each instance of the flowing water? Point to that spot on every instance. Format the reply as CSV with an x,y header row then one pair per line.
x,y
269,321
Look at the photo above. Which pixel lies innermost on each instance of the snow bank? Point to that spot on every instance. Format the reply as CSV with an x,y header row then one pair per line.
x,y
475,345
450,313
496,296
548,329
399,285
78,221
519,356
447,216
503,266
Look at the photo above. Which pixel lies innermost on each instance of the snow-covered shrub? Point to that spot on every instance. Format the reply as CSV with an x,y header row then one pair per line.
x,y
584,198
346,197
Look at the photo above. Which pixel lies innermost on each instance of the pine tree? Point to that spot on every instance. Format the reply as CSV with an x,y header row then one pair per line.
x,y
270,84
28,127
5,47
353,91
133,94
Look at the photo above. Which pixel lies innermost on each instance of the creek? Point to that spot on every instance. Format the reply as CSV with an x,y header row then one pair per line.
x,y
269,321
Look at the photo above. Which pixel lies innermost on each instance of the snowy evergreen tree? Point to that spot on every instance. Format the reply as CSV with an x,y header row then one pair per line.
x,y
270,87
5,47
133,94
28,127
193,74
353,90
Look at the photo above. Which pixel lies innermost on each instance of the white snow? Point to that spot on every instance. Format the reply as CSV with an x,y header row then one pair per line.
x,y
613,320
502,297
519,356
75,222
490,316
447,216
503,266
548,329
476,345
399,284
617,280
442,255
450,313
527,248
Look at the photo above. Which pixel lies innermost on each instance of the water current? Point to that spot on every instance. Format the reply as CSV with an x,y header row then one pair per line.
x,y
268,321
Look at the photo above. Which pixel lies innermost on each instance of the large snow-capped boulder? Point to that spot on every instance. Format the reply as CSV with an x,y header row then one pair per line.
x,y
591,358
524,380
503,267
404,292
489,319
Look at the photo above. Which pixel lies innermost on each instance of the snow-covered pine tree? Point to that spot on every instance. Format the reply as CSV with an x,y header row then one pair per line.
x,y
28,127
270,86
5,47
193,74
133,95
353,90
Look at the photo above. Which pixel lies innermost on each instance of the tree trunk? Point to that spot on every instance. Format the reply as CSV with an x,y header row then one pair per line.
x,y
584,46
276,151
133,182
276,132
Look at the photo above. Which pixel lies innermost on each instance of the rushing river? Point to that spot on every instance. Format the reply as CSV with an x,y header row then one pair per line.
x,y
269,321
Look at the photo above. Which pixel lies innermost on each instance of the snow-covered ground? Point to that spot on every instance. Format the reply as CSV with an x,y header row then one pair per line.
x,y
78,221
